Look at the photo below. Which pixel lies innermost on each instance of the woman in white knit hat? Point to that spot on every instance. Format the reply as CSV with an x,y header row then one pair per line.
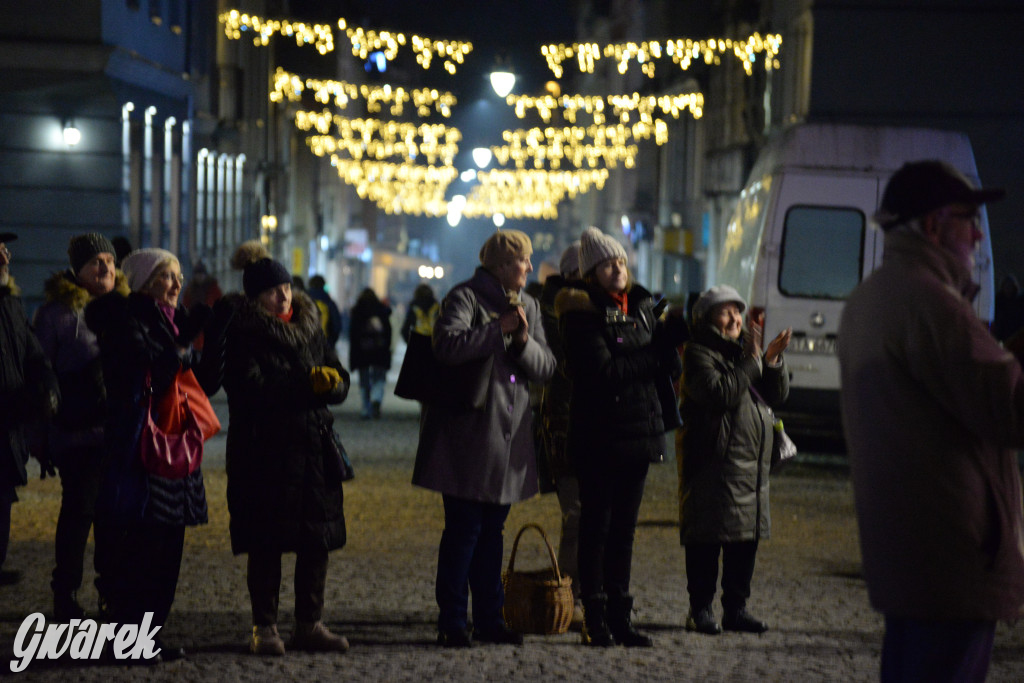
x,y
616,353
144,340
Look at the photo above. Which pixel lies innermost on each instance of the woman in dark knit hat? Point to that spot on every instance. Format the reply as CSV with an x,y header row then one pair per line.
x,y
616,352
284,489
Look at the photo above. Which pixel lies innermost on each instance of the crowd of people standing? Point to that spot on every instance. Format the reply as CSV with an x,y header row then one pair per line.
x,y
618,373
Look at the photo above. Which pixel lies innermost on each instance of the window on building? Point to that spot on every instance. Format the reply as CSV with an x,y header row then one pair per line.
x,y
822,252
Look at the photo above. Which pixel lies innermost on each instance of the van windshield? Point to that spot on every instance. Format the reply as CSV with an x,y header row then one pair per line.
x,y
822,252
743,237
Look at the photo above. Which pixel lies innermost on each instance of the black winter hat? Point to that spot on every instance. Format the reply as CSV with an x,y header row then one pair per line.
x,y
261,275
84,248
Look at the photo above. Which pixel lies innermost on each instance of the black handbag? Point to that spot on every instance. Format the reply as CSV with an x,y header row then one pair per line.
x,y
337,466
457,387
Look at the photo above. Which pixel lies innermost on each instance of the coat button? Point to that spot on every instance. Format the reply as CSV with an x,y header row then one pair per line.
x,y
512,379
508,436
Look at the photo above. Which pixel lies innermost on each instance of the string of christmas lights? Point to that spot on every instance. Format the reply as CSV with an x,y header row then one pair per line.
x,y
682,52
451,53
290,87
621,106
376,139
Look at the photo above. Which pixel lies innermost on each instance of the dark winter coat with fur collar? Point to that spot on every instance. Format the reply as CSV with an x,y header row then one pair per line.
x,y
282,493
74,352
615,362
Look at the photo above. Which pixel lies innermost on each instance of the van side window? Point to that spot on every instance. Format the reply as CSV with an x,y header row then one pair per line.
x,y
822,252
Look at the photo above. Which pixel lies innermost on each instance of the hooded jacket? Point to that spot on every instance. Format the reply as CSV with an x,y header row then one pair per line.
x,y
614,362
74,354
726,439
931,405
281,492
484,455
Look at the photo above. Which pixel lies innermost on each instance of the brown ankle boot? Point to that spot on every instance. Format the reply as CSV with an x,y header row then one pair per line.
x,y
315,637
266,641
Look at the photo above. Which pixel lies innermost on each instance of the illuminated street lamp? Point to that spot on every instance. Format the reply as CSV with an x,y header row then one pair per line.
x,y
72,135
503,81
482,156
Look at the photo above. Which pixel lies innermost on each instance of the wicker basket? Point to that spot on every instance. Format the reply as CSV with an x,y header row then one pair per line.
x,y
537,601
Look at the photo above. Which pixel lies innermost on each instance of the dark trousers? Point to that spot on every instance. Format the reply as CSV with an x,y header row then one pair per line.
x,y
702,573
469,559
936,651
264,581
145,566
80,477
7,498
610,499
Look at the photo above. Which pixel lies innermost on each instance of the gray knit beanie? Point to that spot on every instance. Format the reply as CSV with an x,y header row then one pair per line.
x,y
84,248
595,247
719,294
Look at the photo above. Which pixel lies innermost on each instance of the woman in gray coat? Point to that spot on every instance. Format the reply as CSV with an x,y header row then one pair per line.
x,y
725,456
482,461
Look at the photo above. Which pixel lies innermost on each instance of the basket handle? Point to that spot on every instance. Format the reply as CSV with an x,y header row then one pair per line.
x,y
551,550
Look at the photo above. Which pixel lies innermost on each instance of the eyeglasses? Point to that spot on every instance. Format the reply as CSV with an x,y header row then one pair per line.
x,y
168,277
972,216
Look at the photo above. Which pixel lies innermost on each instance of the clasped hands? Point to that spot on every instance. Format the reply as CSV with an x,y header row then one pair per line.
x,y
513,321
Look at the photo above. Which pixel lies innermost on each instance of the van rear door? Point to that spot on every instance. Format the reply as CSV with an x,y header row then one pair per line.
x,y
819,247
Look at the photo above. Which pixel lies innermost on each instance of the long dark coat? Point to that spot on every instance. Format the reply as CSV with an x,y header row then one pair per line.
x,y
370,348
26,380
279,494
726,440
614,363
137,340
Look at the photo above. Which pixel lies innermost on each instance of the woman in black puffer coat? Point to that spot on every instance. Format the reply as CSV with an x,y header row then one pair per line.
x,y
616,352
725,455
143,335
284,487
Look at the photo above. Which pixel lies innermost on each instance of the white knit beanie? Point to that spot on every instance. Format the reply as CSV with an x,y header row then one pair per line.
x,y
139,265
595,246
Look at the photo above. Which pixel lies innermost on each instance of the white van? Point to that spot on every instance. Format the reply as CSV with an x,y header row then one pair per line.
x,y
801,239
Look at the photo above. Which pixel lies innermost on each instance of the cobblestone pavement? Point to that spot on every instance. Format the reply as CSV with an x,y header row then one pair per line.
x,y
380,588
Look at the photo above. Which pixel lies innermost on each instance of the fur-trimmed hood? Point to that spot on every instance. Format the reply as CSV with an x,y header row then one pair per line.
x,y
253,322
64,289
577,297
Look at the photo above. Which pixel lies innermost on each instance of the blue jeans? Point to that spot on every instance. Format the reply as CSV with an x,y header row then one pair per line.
x,y
469,559
928,650
371,387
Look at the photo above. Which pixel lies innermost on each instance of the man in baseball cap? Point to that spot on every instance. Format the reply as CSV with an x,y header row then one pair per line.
x,y
931,410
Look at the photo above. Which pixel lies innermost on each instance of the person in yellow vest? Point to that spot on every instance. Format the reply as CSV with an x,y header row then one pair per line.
x,y
422,312
330,316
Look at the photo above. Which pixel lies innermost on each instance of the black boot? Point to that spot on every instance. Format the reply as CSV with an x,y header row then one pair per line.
x,y
595,622
742,621
620,623
66,607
